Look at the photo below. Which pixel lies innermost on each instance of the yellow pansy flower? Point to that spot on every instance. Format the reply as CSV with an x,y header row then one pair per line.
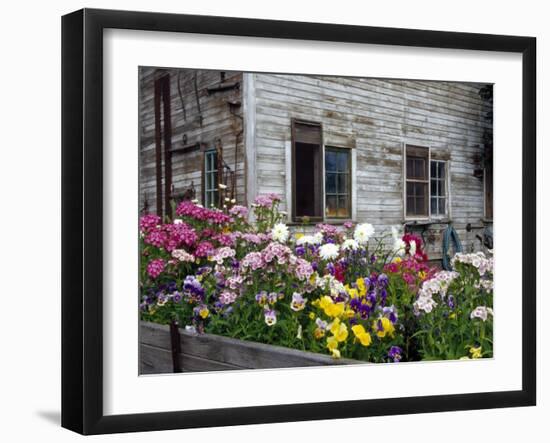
x,y
204,313
332,343
339,330
335,353
349,313
422,275
361,287
387,327
299,235
476,352
362,335
330,308
311,316
397,260
353,293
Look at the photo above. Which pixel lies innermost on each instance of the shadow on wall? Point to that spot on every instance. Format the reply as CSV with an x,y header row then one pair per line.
x,y
54,417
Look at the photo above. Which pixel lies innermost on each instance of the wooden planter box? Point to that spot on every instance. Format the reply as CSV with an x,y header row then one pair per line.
x,y
207,352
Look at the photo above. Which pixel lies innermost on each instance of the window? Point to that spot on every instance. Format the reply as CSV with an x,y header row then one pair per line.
x,y
426,184
417,181
307,171
211,196
337,183
438,188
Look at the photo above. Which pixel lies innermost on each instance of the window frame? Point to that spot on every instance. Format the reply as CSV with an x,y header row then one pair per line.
x,y
445,215
294,217
205,172
429,216
349,153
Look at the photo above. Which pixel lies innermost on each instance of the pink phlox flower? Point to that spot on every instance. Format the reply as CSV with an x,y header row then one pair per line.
x,y
204,249
148,222
155,267
252,260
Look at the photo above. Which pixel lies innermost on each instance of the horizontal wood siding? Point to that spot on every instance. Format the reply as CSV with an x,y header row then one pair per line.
x,y
206,352
376,117
218,123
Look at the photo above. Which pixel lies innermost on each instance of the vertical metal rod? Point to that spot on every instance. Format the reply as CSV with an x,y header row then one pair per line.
x,y
175,345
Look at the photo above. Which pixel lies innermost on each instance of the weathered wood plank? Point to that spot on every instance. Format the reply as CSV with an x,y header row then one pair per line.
x,y
231,353
155,360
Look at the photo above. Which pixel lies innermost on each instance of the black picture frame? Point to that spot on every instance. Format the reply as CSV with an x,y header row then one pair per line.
x,y
82,219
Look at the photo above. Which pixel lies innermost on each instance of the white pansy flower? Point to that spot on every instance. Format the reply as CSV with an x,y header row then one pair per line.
x,y
280,233
328,251
305,240
481,312
350,244
363,232
317,238
412,248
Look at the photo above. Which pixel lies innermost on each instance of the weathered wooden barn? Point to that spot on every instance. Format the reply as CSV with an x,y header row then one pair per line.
x,y
387,152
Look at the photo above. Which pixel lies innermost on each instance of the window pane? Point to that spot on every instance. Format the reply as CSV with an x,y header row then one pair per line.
x,y
331,183
421,205
330,161
433,169
420,190
342,183
433,187
416,168
411,207
442,205
343,161
434,205
416,198
331,209
410,189
423,168
343,206
409,167
441,166
209,161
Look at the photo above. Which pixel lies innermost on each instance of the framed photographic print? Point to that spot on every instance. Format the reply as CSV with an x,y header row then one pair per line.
x,y
270,221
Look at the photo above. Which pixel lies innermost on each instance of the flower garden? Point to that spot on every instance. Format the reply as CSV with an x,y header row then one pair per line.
x,y
345,291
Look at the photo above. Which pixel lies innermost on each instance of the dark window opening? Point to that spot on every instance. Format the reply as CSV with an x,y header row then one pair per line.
x,y
307,171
